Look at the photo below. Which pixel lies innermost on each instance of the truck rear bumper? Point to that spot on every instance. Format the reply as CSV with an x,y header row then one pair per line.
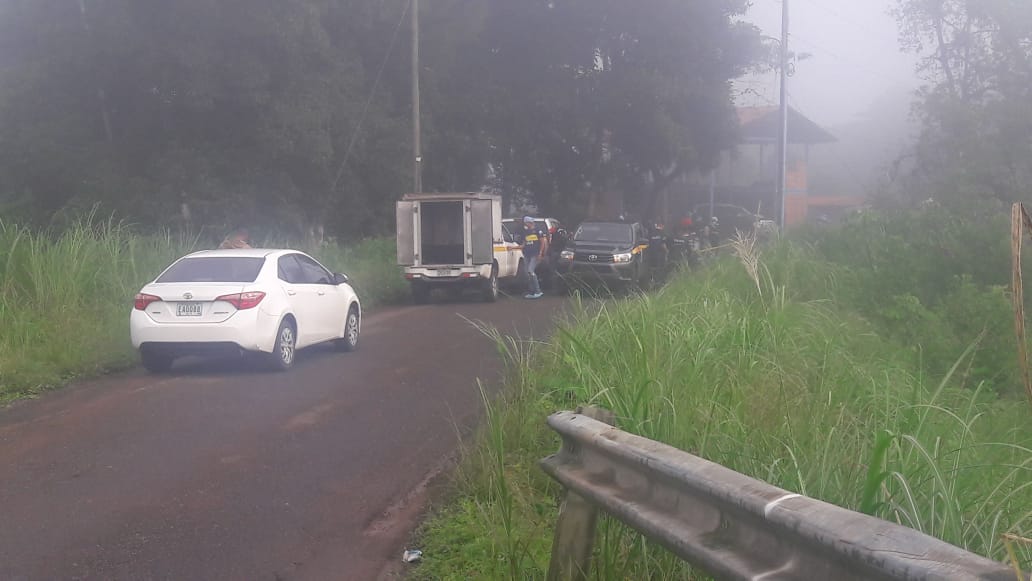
x,y
447,274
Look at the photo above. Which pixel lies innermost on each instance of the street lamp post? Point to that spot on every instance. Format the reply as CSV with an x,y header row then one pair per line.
x,y
417,147
783,104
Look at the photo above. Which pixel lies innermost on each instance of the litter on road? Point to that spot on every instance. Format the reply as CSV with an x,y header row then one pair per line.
x,y
412,556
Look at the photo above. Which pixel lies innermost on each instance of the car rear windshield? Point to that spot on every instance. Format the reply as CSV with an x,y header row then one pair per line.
x,y
604,232
214,269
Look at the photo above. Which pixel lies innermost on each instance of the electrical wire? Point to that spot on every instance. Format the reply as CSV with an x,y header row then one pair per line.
x,y
372,94
833,54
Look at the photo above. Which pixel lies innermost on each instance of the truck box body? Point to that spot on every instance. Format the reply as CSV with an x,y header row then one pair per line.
x,y
449,239
448,229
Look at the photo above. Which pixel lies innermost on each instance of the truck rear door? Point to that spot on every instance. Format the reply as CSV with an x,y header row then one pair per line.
x,y
408,228
481,231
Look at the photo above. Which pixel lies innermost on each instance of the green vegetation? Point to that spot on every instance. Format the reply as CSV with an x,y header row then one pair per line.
x,y
294,115
778,365
933,281
974,112
65,296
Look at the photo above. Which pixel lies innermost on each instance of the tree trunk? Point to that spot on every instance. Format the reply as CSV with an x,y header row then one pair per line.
x,y
659,184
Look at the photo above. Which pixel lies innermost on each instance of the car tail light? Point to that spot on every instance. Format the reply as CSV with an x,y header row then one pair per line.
x,y
243,301
552,230
143,300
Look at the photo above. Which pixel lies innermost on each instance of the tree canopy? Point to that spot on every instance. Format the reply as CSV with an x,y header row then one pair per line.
x,y
294,114
976,108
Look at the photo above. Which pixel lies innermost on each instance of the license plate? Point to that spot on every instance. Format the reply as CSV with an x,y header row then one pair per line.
x,y
188,309
444,272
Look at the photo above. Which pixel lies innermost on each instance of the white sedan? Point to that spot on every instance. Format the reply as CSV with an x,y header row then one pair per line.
x,y
232,301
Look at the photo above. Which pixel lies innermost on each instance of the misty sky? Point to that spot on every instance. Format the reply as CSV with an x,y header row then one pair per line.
x,y
855,57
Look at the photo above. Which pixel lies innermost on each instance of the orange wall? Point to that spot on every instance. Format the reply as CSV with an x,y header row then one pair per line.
x,y
796,203
795,209
796,178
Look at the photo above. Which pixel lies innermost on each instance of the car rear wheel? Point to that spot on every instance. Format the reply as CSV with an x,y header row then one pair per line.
x,y
155,361
285,348
351,328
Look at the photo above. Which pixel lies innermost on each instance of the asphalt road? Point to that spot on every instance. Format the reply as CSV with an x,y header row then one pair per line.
x,y
221,471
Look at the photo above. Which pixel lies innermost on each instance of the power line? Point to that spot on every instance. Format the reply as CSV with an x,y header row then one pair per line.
x,y
762,85
843,59
372,93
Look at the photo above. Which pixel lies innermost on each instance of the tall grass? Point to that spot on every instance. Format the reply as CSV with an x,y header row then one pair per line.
x,y
755,368
65,296
933,280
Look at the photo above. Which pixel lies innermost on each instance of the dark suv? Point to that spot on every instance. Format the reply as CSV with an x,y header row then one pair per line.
x,y
615,253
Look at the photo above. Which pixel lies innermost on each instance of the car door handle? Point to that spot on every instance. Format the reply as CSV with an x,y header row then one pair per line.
x,y
291,293
322,292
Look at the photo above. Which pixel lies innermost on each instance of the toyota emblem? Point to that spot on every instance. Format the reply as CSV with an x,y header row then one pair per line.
x,y
188,295
592,258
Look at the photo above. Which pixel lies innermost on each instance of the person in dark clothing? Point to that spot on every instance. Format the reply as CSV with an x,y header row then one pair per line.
x,y
535,245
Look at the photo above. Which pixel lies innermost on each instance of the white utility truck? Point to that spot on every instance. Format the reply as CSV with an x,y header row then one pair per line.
x,y
456,241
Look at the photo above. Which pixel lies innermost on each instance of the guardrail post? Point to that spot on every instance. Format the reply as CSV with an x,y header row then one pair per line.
x,y
575,529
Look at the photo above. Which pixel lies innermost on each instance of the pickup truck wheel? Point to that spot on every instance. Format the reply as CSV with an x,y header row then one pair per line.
x,y
635,285
490,291
561,285
420,293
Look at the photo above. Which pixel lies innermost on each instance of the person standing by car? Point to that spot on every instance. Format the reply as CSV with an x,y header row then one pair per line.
x,y
535,245
237,240
659,250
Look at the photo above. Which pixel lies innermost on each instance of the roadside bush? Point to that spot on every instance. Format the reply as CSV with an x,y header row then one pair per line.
x,y
732,365
932,279
65,295
919,252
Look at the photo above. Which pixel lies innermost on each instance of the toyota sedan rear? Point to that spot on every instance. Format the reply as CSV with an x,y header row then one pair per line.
x,y
272,302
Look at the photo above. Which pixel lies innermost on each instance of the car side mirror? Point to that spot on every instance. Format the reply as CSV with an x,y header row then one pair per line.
x,y
339,278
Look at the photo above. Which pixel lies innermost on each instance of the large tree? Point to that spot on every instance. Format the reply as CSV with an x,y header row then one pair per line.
x,y
294,114
237,110
976,108
577,98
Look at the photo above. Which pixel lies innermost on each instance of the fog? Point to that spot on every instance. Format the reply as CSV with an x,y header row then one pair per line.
x,y
850,77
853,60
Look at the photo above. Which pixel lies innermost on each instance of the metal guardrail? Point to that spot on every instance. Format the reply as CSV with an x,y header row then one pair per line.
x,y
725,523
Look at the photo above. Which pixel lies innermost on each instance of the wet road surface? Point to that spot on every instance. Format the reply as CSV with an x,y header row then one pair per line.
x,y
223,471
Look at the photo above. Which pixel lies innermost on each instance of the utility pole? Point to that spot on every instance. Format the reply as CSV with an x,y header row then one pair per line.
x,y
783,145
417,146
712,191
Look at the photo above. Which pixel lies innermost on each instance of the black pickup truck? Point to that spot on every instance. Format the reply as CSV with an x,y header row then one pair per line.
x,y
613,253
